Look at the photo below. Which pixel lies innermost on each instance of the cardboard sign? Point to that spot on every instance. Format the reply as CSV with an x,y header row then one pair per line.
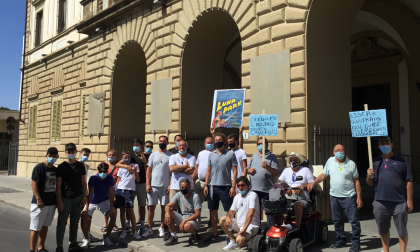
x,y
368,123
228,108
263,125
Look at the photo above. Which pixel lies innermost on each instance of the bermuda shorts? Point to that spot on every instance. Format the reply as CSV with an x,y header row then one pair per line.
x,y
141,194
41,217
250,231
104,207
124,198
179,218
384,210
219,193
157,195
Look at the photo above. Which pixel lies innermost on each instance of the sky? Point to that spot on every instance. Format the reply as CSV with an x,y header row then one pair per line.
x,y
12,20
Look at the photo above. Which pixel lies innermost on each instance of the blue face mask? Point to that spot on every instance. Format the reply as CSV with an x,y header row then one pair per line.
x,y
136,149
340,155
127,160
182,152
102,175
111,159
51,160
209,146
71,156
241,192
83,159
260,147
386,149
148,150
176,144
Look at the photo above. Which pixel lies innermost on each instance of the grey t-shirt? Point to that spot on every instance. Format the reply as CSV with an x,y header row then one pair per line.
x,y
159,162
258,180
221,167
187,206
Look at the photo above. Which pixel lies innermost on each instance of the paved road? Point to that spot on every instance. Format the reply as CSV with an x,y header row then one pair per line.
x,y
14,233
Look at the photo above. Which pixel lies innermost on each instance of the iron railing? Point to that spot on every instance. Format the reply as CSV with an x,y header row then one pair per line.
x,y
13,158
123,144
196,141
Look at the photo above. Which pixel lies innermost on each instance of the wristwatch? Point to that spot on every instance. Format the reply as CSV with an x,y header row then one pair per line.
x,y
233,187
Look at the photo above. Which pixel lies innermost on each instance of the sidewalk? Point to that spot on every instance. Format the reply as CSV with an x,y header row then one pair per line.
x,y
370,240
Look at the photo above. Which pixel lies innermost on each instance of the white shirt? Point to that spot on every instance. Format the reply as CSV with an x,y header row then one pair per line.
x,y
287,175
240,156
242,204
202,161
127,181
177,176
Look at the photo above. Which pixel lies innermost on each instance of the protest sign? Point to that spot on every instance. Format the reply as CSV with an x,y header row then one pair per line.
x,y
263,125
368,123
228,108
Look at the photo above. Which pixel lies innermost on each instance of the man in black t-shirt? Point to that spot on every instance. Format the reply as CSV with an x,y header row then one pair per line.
x,y
71,194
174,150
44,200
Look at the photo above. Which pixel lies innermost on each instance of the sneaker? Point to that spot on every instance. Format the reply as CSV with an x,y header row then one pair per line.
x,y
127,224
142,229
85,243
59,249
43,250
123,234
227,240
161,232
211,238
75,248
231,246
136,236
93,238
147,232
355,248
107,242
166,236
197,236
338,244
171,240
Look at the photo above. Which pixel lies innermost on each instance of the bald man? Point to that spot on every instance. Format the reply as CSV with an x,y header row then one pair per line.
x,y
345,195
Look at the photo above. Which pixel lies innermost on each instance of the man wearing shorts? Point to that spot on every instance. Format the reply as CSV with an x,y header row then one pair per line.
x,y
219,187
393,183
44,200
247,208
157,184
188,219
101,197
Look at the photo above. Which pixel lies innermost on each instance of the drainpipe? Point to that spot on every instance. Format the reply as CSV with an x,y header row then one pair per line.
x,y
23,63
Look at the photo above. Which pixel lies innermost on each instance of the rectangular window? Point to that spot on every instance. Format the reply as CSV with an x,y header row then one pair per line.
x,y
62,15
56,121
32,123
38,28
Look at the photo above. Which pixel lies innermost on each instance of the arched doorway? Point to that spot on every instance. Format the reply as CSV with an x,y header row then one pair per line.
x,y
211,60
128,109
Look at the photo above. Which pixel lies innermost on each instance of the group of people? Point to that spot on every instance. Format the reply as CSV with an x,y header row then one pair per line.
x,y
180,182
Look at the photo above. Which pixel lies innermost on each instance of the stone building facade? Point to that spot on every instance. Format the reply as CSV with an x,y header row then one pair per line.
x,y
103,66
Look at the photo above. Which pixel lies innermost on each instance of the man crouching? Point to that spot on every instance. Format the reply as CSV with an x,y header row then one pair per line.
x,y
188,221
247,208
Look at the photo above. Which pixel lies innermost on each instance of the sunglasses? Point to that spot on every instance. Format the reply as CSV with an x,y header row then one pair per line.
x,y
148,146
103,171
241,186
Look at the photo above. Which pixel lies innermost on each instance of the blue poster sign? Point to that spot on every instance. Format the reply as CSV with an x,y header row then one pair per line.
x,y
263,125
368,123
228,108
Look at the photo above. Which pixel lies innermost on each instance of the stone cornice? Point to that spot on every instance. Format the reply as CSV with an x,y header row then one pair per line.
x,y
36,3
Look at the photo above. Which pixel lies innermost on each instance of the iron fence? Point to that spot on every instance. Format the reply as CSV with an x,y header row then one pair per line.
x,y
13,158
196,141
4,155
122,144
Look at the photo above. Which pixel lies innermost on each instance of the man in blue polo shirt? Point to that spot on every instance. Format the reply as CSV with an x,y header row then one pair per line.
x,y
393,183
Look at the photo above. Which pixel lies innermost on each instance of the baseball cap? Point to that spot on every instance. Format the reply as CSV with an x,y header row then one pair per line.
x,y
383,138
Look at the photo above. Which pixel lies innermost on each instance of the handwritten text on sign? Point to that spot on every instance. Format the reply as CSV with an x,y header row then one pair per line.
x,y
368,123
263,125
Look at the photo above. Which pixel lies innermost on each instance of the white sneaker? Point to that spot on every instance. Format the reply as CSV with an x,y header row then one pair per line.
x,y
123,234
136,236
161,232
85,243
107,242
147,232
231,246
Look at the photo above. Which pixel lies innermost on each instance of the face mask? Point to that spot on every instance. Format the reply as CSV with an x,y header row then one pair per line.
x,y
71,156
232,145
51,160
185,191
136,149
386,149
182,152
102,175
162,146
260,147
176,144
127,160
209,146
219,145
340,155
241,192
83,159
111,159
294,164
148,150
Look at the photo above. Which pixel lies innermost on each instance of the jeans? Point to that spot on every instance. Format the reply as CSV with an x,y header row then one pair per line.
x,y
347,204
72,209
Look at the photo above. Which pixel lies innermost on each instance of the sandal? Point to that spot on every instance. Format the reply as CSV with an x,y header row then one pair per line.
x,y
103,230
115,229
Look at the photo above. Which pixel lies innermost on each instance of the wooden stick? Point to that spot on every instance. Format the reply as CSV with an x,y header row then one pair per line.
x,y
369,146
263,144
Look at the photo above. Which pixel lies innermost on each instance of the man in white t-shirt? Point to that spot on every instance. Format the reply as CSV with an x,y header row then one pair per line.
x,y
182,165
247,208
233,143
201,168
300,177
